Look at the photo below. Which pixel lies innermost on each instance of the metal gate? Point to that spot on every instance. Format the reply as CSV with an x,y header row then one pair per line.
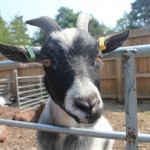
x,y
30,92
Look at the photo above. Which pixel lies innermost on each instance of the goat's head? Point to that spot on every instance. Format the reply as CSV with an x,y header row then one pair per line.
x,y
69,57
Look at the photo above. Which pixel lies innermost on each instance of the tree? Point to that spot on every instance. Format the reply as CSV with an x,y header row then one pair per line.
x,y
138,17
141,13
4,32
14,32
38,38
126,22
96,28
18,31
67,18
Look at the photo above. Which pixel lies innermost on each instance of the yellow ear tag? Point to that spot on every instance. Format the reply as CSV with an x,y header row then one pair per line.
x,y
102,45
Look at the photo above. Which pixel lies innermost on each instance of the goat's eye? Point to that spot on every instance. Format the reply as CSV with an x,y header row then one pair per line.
x,y
98,59
99,62
46,62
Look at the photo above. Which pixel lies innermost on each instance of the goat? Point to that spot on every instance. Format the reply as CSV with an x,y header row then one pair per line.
x,y
30,115
3,133
69,57
6,99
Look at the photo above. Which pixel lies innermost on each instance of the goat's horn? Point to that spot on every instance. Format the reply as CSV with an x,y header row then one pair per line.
x,y
83,21
47,24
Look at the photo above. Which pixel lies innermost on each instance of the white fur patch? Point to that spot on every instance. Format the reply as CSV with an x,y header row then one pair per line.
x,y
60,116
65,36
80,88
102,125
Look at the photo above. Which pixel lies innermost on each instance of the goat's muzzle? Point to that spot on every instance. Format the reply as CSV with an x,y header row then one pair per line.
x,y
87,105
91,107
83,101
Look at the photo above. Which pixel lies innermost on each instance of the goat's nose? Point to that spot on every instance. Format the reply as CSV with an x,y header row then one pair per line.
x,y
86,104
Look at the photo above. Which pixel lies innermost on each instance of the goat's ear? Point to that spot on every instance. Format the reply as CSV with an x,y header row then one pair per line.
x,y
110,43
20,53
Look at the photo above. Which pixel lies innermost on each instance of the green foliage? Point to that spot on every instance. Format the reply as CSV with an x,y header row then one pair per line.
x,y
18,31
38,37
14,33
138,17
141,13
126,22
4,32
67,18
98,29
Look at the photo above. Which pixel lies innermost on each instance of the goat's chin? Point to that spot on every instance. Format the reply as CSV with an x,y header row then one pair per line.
x,y
89,120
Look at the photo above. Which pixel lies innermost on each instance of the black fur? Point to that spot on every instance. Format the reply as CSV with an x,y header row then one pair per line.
x,y
76,61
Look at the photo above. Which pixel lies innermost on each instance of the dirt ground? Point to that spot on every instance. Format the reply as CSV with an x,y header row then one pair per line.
x,y
25,139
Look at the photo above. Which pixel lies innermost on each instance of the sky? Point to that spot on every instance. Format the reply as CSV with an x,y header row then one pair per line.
x,y
106,11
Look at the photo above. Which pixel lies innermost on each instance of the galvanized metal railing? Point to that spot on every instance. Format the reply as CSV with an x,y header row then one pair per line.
x,y
131,135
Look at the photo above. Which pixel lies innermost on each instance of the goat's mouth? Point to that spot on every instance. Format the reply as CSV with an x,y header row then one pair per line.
x,y
92,118
84,116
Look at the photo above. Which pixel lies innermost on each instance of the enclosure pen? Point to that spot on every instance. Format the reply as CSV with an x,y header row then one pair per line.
x,y
29,98
131,136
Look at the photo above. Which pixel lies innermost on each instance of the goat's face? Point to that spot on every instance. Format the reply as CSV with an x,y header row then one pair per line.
x,y
69,58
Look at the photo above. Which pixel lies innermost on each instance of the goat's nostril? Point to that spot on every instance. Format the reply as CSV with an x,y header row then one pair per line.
x,y
85,104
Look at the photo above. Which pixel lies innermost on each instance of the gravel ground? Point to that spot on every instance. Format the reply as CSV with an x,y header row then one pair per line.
x,y
25,139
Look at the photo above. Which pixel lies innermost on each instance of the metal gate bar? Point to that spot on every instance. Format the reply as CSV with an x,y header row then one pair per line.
x,y
142,51
130,99
74,131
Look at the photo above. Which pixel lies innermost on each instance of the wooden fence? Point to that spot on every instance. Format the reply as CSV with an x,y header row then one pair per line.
x,y
138,37
112,78
112,73
10,69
